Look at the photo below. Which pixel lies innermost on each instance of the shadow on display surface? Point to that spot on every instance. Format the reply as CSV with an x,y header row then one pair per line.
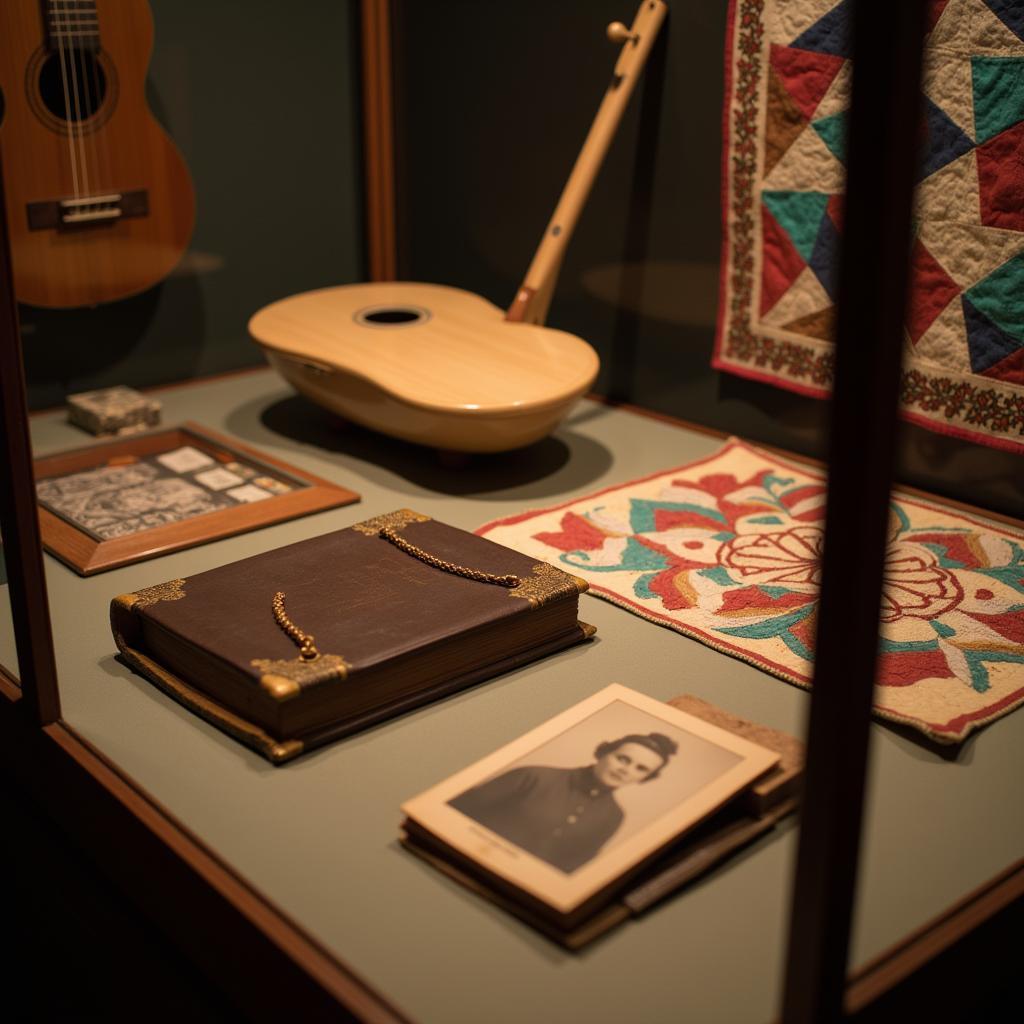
x,y
561,462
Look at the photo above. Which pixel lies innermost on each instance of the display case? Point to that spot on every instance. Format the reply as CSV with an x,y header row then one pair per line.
x,y
330,145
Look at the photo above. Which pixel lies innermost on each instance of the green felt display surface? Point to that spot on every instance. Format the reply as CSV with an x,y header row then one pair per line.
x,y
319,836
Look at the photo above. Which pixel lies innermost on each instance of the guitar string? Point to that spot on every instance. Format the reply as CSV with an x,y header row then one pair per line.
x,y
102,141
78,117
68,31
67,99
91,28
85,135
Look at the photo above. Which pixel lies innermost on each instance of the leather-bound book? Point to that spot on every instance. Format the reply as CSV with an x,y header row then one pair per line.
x,y
299,646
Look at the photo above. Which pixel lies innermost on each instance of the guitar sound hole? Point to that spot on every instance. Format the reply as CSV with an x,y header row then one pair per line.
x,y
72,88
391,316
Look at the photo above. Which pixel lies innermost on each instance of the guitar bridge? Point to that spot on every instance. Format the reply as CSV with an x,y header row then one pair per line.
x,y
91,210
87,211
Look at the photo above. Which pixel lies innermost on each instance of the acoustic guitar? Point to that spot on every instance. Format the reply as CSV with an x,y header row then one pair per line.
x,y
442,366
99,201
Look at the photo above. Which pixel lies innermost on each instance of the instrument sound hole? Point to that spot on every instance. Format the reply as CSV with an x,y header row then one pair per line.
x,y
391,316
72,85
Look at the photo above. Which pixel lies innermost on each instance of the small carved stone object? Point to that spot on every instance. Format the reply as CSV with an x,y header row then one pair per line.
x,y
111,412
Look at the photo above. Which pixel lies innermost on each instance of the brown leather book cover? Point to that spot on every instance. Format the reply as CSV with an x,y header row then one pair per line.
x,y
370,620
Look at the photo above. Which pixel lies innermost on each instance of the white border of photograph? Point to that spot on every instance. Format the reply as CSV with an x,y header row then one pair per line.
x,y
535,876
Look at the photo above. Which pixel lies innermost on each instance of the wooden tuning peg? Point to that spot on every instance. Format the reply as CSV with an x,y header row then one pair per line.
x,y
618,33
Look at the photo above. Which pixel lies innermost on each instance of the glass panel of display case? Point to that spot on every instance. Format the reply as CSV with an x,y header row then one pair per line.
x,y
171,171
8,651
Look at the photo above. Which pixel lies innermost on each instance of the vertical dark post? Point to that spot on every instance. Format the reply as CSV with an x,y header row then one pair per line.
x,y
883,146
378,140
19,521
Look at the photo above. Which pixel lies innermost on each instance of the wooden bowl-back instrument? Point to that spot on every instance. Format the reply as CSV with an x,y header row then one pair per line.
x,y
444,367
99,201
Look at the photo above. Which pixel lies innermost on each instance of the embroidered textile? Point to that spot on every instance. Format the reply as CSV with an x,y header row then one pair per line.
x,y
726,550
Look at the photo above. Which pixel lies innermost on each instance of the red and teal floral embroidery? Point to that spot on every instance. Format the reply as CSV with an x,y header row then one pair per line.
x,y
746,556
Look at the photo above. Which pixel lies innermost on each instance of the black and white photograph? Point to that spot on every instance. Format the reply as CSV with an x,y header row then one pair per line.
x,y
570,805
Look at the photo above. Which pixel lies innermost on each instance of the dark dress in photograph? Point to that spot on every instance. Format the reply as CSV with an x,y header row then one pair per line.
x,y
562,815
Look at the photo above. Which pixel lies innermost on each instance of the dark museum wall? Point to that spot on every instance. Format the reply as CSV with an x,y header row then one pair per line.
x,y
492,104
265,110
494,101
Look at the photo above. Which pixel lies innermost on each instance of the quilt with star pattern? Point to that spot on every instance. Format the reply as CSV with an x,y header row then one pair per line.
x,y
788,78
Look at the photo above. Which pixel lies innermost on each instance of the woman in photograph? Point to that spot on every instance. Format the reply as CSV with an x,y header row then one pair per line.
x,y
565,815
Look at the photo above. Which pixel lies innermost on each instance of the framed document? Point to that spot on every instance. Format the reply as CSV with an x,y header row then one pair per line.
x,y
123,501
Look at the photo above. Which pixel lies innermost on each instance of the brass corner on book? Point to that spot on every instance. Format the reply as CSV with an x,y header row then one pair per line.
x,y
278,753
283,680
586,629
548,583
172,590
390,520
279,687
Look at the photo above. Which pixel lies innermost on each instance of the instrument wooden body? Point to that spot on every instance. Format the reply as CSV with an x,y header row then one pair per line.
x,y
457,376
442,366
99,205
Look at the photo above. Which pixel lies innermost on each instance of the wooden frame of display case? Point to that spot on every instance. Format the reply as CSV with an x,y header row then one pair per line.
x,y
23,552
275,965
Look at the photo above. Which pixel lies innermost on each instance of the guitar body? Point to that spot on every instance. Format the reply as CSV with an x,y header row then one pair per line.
x,y
426,363
99,203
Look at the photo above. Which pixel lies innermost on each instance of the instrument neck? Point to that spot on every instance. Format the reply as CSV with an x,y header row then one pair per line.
x,y
72,24
534,295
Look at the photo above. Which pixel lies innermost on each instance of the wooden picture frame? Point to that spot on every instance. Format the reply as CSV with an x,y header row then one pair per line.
x,y
88,553
712,767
